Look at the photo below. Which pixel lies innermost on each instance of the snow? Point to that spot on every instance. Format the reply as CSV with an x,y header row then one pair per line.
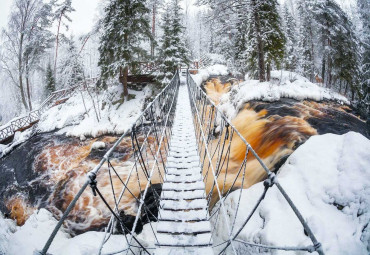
x,y
203,74
98,145
33,235
328,178
115,117
283,84
217,69
19,137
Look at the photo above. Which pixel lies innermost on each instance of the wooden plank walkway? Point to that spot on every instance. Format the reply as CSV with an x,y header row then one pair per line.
x,y
183,220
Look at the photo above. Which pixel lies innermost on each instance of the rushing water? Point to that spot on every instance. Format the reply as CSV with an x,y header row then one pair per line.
x,y
48,169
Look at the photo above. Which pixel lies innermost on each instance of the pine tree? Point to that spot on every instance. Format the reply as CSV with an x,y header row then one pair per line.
x,y
291,56
305,50
240,42
173,51
265,36
49,80
338,45
126,26
364,11
71,70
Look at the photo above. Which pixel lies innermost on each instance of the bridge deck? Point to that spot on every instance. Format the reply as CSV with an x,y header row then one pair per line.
x,y
183,225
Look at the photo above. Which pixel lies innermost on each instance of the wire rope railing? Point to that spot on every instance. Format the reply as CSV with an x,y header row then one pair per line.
x,y
226,161
23,122
225,158
150,137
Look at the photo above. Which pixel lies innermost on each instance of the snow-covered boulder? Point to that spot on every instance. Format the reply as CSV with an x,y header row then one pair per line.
x,y
98,145
328,178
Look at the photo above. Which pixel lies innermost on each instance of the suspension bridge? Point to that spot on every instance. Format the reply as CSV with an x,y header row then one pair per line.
x,y
182,151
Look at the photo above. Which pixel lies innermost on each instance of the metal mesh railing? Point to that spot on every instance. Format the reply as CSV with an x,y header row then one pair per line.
x,y
225,158
150,137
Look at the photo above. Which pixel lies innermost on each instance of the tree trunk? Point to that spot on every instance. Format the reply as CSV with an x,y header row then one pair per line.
x,y
28,92
268,71
20,71
340,86
261,55
56,47
153,29
353,90
346,89
312,75
323,69
124,74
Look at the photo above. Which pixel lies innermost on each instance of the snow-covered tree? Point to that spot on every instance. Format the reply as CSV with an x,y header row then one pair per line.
x,y
339,47
265,37
364,11
25,40
306,34
71,68
125,27
49,80
62,11
173,51
290,30
240,42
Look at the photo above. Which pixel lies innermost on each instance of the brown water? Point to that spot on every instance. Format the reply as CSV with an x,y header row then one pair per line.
x,y
48,169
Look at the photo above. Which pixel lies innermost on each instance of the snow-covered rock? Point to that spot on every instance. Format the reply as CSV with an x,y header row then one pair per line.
x,y
98,145
19,137
328,178
33,235
283,84
217,69
203,74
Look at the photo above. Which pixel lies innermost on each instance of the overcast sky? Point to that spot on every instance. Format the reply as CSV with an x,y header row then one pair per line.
x,y
82,19
85,14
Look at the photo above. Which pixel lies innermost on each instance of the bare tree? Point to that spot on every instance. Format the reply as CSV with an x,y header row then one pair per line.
x,y
25,39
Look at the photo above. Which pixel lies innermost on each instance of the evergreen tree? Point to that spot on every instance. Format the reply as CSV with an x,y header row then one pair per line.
x,y
291,56
338,44
265,36
125,26
305,50
364,11
61,13
49,80
240,42
173,51
71,70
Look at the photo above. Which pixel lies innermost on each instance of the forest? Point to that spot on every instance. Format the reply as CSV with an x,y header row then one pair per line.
x,y
326,41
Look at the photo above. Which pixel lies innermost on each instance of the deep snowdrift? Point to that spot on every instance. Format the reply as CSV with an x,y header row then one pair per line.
x,y
328,178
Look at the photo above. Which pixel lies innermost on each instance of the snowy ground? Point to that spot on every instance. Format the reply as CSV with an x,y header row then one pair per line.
x,y
283,84
328,178
115,117
33,235
73,119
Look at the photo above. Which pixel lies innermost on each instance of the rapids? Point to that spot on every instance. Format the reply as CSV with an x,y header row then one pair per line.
x,y
47,170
